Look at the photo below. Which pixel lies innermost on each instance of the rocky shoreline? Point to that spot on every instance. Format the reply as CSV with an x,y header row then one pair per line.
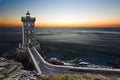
x,y
17,66
7,67
13,70
76,63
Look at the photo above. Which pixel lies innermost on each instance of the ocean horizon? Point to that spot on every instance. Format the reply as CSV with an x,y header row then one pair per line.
x,y
98,46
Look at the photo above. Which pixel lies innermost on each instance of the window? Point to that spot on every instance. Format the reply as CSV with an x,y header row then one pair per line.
x,y
29,32
29,24
25,31
29,40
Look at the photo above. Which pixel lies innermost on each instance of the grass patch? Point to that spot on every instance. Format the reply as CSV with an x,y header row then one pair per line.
x,y
8,75
1,68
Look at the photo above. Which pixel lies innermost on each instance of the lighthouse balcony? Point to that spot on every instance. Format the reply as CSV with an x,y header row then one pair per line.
x,y
27,19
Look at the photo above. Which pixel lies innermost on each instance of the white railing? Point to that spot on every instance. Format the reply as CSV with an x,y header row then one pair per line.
x,y
74,68
34,61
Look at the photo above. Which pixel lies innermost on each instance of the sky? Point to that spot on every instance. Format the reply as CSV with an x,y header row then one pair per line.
x,y
61,13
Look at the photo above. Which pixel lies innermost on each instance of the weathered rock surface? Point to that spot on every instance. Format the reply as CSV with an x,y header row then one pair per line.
x,y
13,70
7,67
20,56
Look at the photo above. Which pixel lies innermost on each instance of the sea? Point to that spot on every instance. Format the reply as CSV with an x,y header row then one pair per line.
x,y
100,46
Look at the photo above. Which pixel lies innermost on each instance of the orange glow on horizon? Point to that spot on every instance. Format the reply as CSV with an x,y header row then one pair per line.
x,y
50,25
87,24
10,24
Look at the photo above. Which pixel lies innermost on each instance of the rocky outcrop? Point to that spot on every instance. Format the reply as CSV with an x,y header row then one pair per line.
x,y
7,67
20,56
13,70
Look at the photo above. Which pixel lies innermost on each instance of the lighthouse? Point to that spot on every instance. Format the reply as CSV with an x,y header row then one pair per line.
x,y
27,30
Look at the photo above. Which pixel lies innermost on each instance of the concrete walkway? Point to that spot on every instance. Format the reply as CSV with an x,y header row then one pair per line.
x,y
46,68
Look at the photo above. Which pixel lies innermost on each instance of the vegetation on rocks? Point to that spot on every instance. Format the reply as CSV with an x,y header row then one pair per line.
x,y
22,57
8,67
78,77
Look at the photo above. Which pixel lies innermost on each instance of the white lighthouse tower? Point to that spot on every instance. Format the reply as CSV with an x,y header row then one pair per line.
x,y
28,30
